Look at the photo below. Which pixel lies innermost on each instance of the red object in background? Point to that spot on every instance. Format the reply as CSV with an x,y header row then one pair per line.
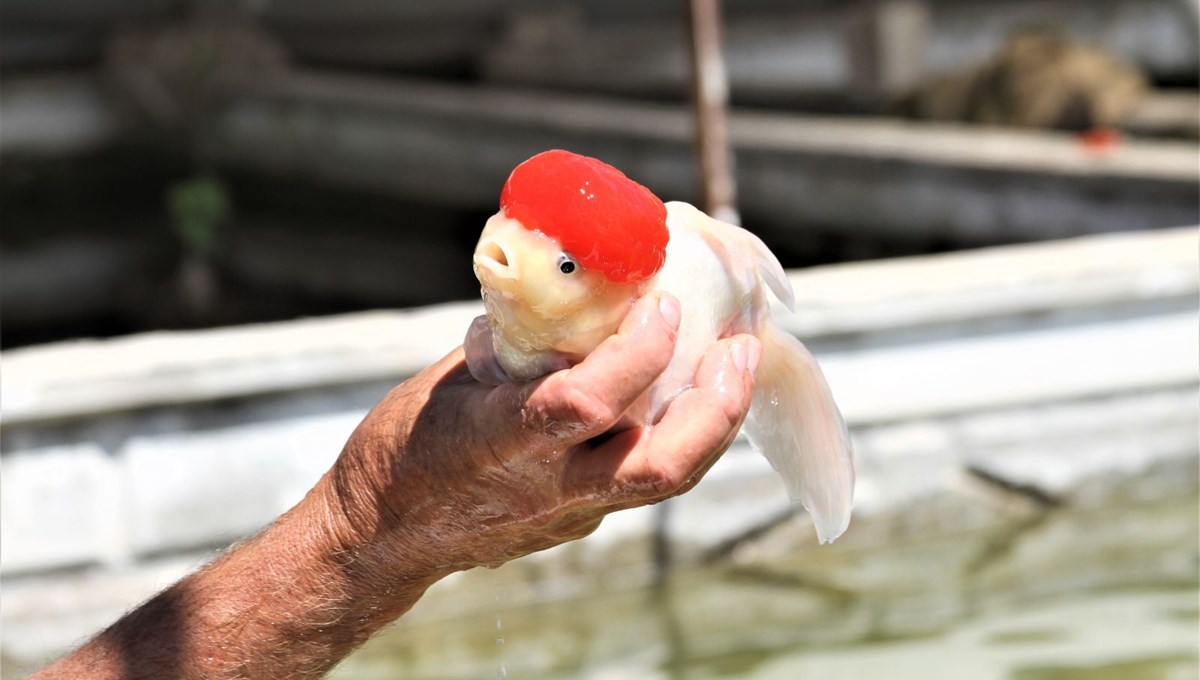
x,y
1100,140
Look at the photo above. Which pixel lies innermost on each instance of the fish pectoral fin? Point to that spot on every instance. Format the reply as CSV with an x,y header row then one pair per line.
x,y
480,350
795,423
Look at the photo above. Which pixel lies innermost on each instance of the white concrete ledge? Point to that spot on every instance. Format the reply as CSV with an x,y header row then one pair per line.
x,y
1010,412
999,371
1023,280
96,376
70,380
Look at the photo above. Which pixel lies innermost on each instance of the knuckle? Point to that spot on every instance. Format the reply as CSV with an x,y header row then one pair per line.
x,y
733,408
586,410
662,480
563,410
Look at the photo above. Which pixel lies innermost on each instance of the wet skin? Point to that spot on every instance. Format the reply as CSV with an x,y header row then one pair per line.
x,y
444,474
491,473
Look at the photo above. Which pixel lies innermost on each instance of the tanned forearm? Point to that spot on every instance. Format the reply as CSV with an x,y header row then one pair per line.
x,y
289,603
445,474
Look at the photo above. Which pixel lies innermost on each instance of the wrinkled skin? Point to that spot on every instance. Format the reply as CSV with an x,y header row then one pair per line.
x,y
444,474
510,469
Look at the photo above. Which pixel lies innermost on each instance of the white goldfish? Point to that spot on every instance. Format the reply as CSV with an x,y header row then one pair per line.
x,y
576,243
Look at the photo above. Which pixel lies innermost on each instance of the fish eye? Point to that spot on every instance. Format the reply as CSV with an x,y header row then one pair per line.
x,y
566,264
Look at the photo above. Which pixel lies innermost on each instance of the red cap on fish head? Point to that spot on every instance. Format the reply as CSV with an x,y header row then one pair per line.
x,y
606,221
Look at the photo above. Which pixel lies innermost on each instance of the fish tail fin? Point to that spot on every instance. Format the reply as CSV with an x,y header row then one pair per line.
x,y
794,422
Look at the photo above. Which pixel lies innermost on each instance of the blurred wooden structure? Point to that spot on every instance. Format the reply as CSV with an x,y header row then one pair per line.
x,y
776,49
428,106
454,145
805,179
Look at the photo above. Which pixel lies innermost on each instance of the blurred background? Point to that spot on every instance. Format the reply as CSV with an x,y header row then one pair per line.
x,y
230,226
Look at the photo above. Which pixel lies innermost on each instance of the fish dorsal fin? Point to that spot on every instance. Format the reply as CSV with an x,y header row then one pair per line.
x,y
772,273
721,235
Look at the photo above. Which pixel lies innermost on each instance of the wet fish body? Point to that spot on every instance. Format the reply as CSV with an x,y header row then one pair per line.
x,y
542,318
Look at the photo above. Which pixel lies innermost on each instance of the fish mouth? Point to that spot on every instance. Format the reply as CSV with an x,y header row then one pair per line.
x,y
493,261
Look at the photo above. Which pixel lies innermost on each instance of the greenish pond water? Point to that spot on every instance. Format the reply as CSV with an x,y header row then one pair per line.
x,y
1121,635
1103,593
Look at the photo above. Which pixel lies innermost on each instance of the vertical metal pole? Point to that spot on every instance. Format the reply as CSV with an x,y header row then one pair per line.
x,y
710,91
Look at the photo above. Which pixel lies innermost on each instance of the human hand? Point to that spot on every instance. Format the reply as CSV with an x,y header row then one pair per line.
x,y
447,473
444,474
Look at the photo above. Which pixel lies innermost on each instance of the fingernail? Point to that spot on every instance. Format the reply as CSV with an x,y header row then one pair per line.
x,y
668,306
754,350
738,354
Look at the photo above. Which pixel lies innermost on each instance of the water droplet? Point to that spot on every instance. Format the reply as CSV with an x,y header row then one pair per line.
x,y
501,671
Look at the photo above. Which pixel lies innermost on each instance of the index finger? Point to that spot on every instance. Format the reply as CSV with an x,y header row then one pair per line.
x,y
589,398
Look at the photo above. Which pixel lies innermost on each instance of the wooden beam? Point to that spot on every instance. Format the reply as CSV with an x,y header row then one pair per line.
x,y
856,176
455,145
58,115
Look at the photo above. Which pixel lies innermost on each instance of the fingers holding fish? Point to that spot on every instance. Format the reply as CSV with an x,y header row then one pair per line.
x,y
588,399
574,242
648,464
626,364
702,423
